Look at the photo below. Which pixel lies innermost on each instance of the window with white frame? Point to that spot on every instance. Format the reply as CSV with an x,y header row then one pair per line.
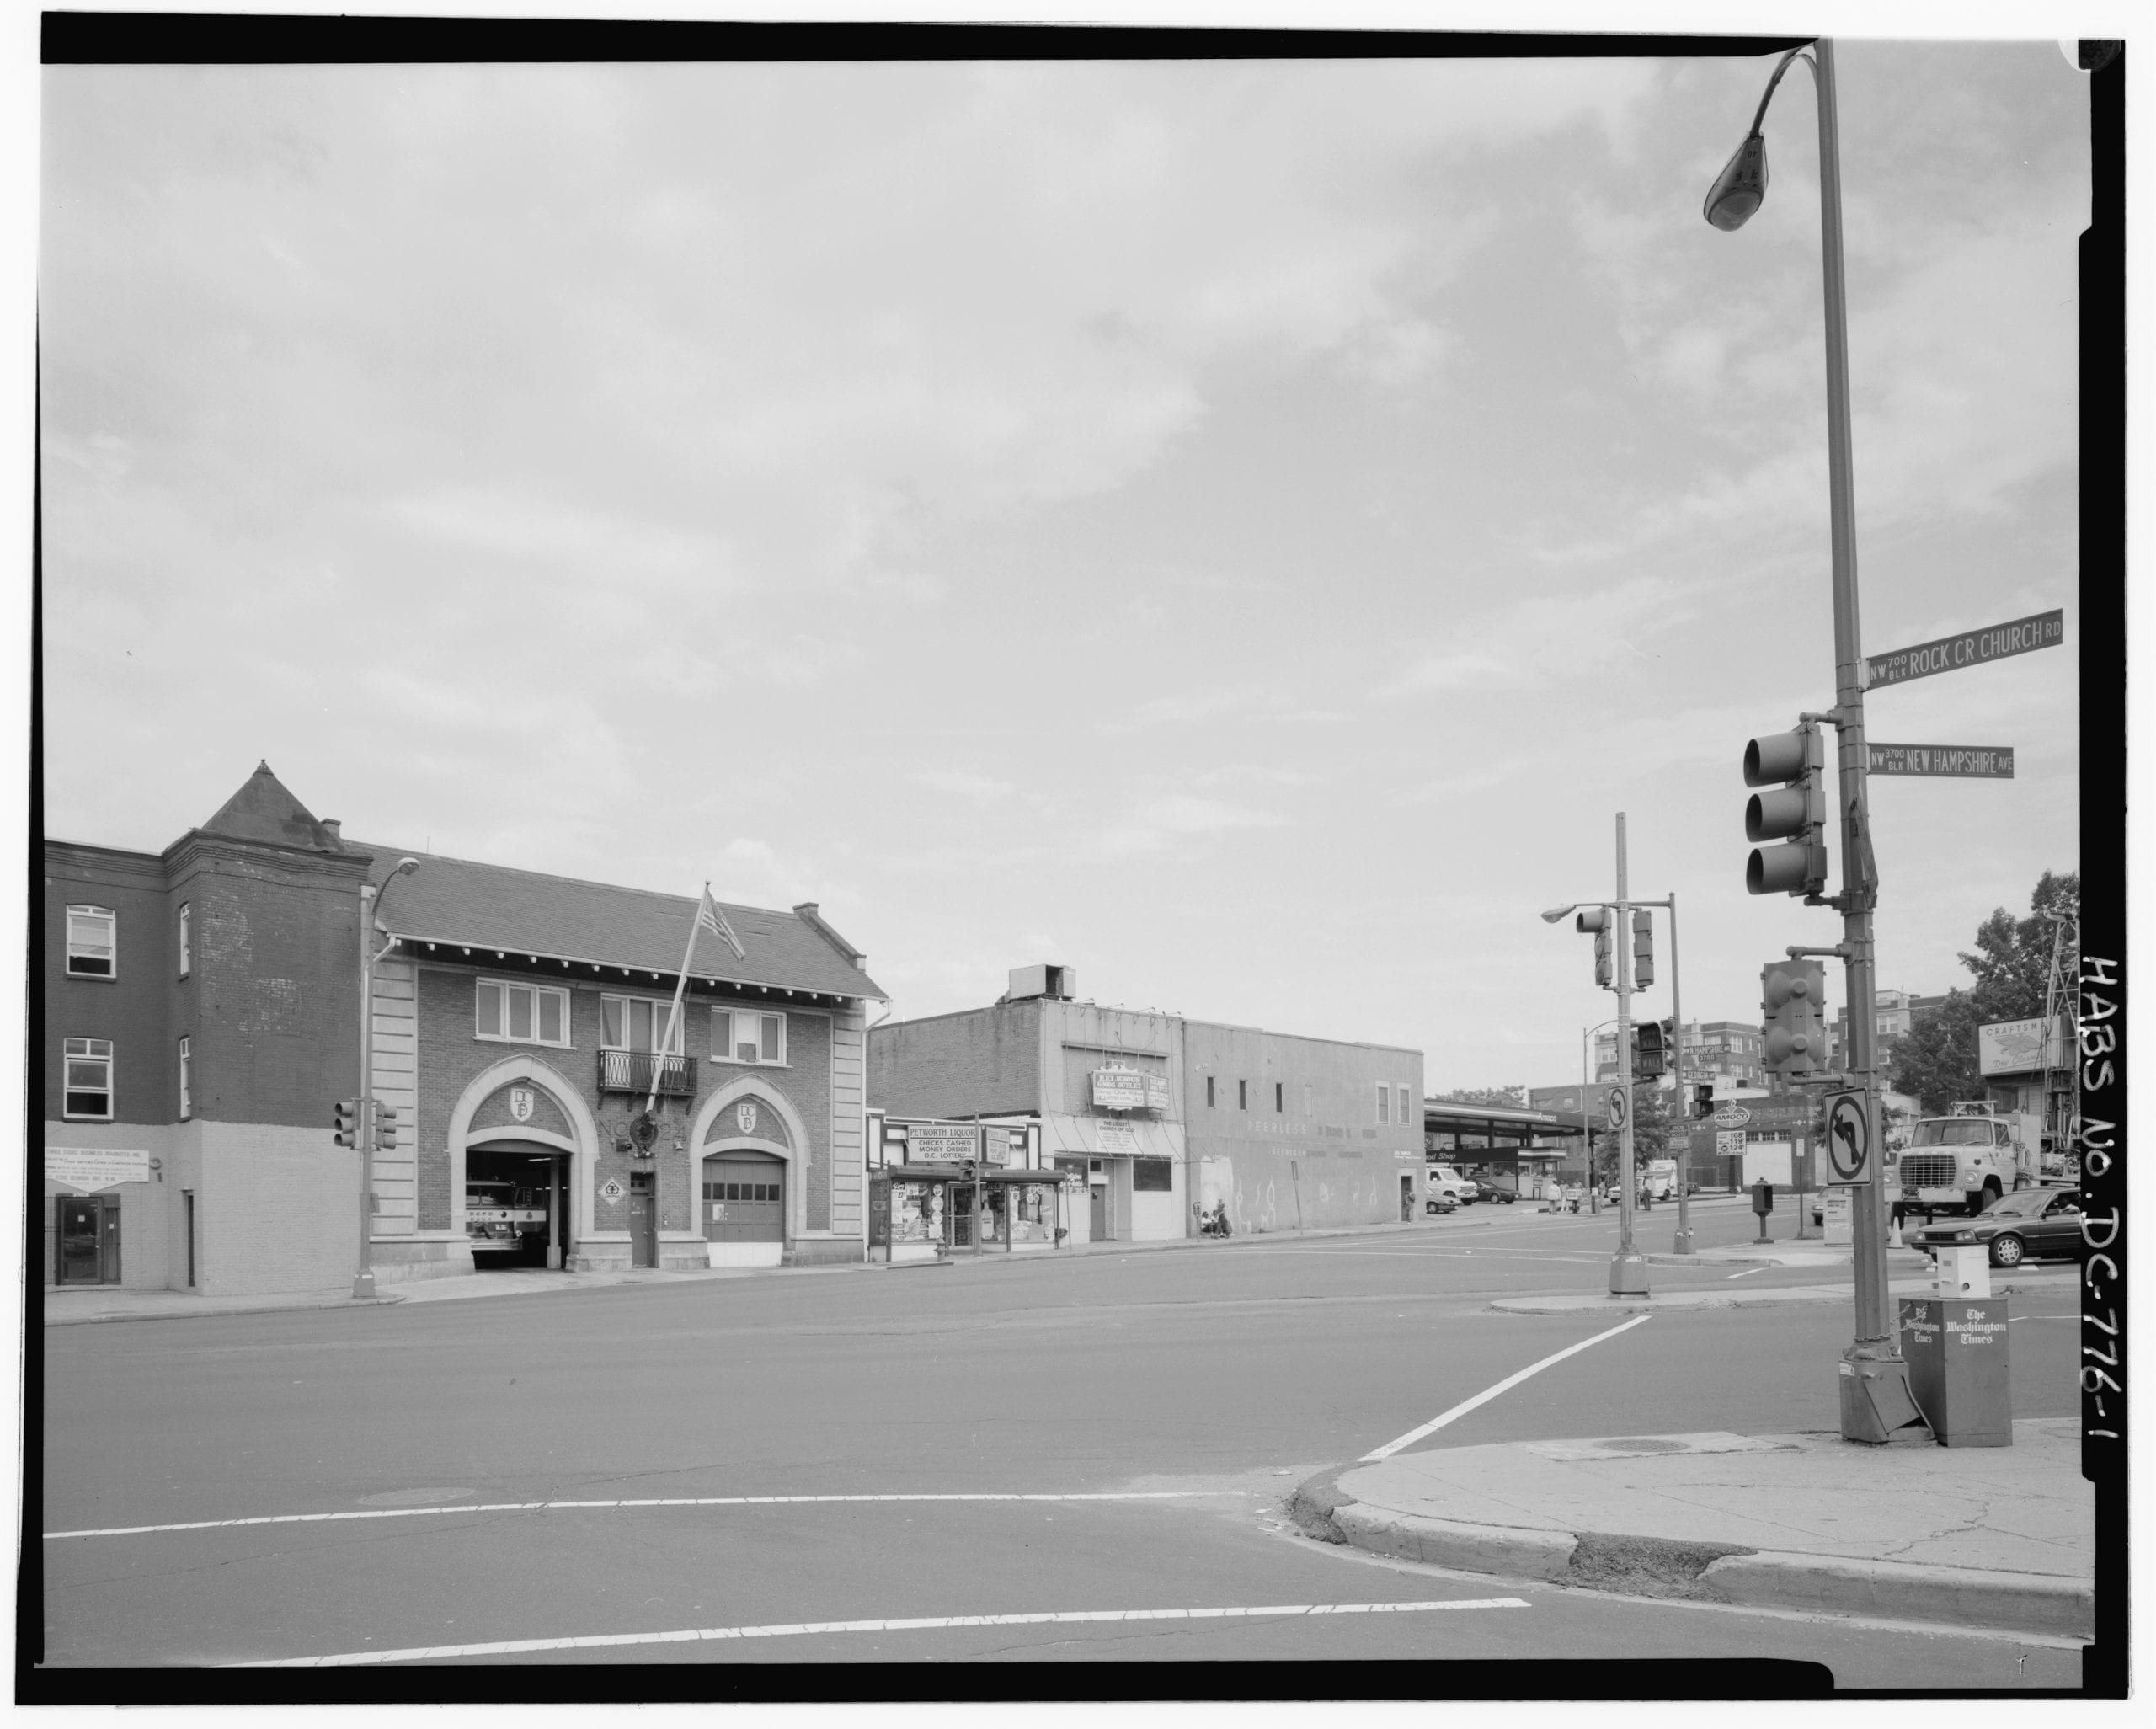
x,y
186,938
1384,1101
748,1036
1405,1120
522,1014
638,1023
186,1079
92,931
88,1080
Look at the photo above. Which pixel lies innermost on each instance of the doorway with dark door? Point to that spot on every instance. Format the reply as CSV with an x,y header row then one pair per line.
x,y
89,1240
1097,1226
1406,1198
643,1218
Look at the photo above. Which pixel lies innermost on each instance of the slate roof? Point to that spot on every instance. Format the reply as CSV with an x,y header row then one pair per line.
x,y
264,810
487,908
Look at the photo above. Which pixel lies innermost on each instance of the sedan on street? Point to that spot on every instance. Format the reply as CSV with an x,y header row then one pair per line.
x,y
2028,1225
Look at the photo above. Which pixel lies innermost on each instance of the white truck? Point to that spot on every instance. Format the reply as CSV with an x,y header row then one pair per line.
x,y
1658,1178
1963,1161
1446,1180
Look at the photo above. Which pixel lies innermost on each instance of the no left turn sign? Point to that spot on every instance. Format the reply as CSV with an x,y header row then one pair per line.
x,y
1848,1140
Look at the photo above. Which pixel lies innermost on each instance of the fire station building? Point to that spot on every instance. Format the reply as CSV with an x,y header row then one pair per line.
x,y
203,1015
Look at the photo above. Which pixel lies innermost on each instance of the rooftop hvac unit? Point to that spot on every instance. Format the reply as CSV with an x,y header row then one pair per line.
x,y
1042,980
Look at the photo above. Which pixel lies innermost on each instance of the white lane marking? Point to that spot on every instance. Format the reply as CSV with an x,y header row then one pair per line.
x,y
1748,1273
401,1513
912,1623
1489,1393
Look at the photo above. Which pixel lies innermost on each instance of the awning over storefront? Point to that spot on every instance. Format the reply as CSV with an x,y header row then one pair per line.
x,y
1107,1138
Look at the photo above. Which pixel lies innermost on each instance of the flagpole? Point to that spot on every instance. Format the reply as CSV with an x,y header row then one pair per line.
x,y
674,1015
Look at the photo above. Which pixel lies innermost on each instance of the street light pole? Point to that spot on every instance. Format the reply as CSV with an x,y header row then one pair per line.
x,y
1874,1343
1874,1378
370,902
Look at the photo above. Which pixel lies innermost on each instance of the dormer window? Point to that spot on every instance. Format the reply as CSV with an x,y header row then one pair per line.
x,y
92,932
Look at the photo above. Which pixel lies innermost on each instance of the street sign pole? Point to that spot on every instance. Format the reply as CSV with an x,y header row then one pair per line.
x,y
1873,1378
1628,1272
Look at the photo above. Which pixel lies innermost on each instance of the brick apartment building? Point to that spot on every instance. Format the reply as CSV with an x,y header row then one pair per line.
x,y
203,1017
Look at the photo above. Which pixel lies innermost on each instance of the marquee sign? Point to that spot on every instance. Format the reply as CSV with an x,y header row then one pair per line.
x,y
1117,1086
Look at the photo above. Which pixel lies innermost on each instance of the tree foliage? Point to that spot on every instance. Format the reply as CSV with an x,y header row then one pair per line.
x,y
1510,1098
1935,1061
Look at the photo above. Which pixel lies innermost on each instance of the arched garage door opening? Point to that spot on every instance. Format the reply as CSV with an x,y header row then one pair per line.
x,y
744,1207
516,1198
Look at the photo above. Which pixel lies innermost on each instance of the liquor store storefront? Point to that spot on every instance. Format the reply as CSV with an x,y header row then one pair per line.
x,y
940,1188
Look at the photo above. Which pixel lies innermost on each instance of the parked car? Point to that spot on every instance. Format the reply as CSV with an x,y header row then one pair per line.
x,y
2029,1223
1439,1201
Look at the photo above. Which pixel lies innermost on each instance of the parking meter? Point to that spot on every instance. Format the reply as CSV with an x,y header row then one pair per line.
x,y
1762,1204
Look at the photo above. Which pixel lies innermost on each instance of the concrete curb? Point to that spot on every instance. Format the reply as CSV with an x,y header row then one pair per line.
x,y
1707,1572
1758,1296
205,1313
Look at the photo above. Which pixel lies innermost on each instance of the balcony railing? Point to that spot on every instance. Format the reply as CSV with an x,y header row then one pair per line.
x,y
630,1071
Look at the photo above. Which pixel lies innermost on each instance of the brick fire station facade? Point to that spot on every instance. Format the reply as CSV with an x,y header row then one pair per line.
x,y
203,1015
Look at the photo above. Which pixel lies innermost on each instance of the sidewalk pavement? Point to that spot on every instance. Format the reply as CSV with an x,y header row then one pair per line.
x,y
1993,1537
64,1307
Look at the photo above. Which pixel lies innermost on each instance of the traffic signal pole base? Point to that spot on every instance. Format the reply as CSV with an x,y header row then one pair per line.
x,y
1628,1276
1877,1408
1683,1243
363,1284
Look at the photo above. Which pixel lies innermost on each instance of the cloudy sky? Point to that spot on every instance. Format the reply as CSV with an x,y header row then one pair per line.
x,y
1242,529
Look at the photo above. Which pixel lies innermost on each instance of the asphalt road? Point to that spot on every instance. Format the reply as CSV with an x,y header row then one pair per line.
x,y
391,1458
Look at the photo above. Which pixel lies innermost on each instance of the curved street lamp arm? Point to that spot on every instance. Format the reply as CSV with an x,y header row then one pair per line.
x,y
1759,119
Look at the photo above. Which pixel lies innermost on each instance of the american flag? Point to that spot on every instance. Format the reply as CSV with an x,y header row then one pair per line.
x,y
710,918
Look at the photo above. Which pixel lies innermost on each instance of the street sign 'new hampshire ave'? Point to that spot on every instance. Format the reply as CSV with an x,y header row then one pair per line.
x,y
1981,761
1969,648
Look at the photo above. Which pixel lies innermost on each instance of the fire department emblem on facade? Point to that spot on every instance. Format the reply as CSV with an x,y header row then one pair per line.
x,y
745,1115
519,1103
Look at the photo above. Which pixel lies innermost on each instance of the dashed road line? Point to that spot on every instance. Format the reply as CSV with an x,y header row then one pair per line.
x,y
911,1624
400,1513
1487,1394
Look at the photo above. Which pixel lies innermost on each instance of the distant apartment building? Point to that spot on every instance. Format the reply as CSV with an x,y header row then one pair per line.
x,y
1893,1012
1728,1053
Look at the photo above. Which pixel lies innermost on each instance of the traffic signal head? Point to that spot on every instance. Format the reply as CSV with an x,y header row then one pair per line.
x,y
1703,1099
1795,811
1643,950
1650,1056
1596,920
1792,994
347,1122
385,1127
